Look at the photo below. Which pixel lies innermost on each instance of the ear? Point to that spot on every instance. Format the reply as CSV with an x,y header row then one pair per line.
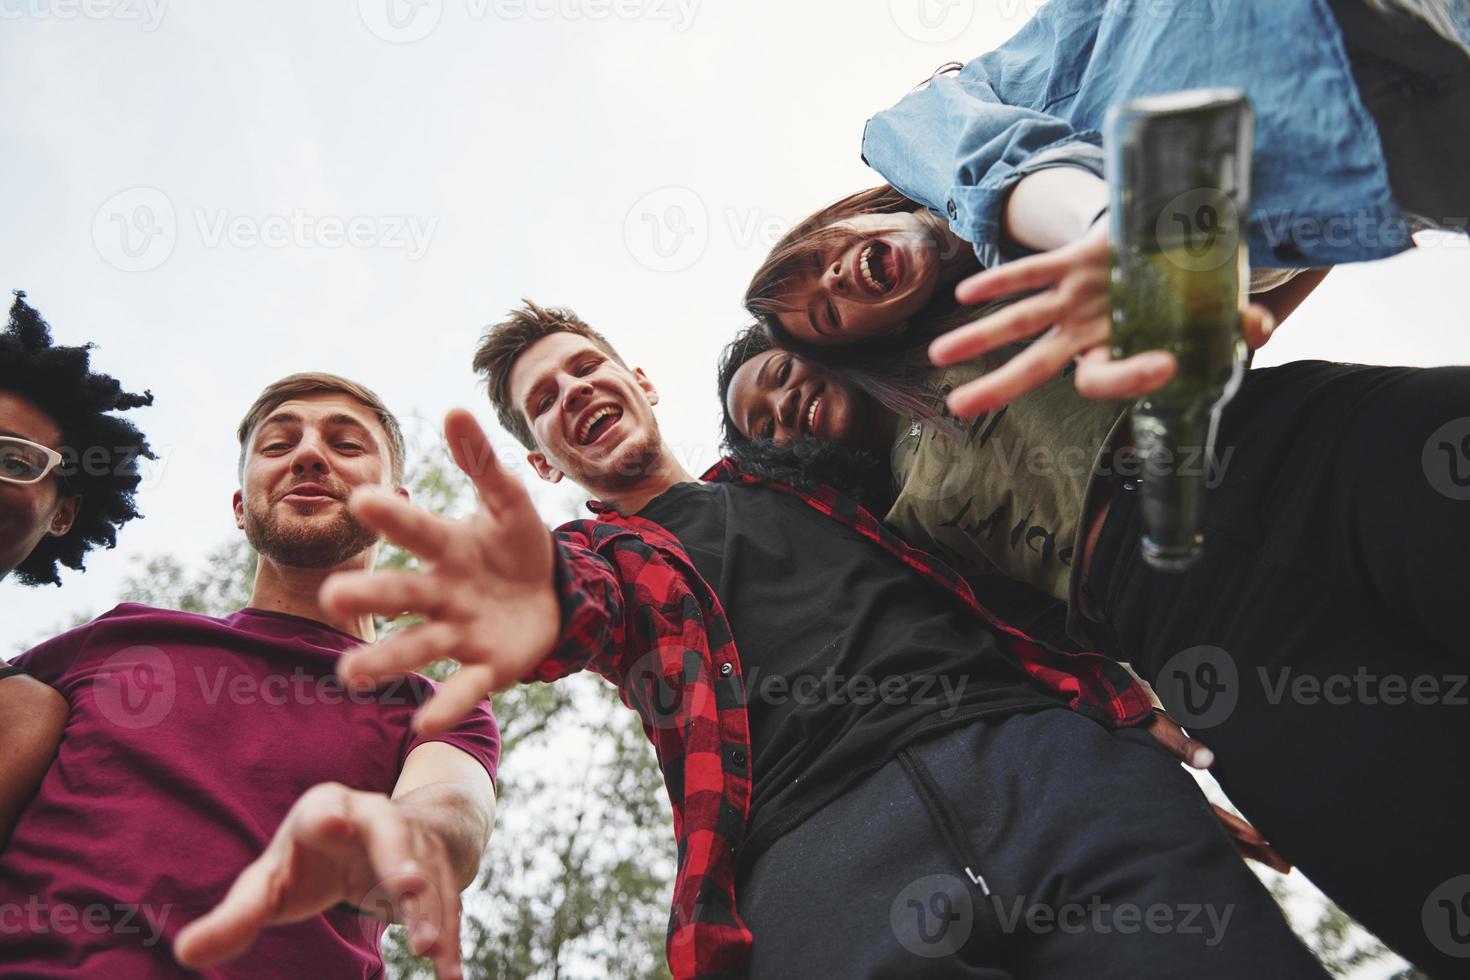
x,y
646,385
64,516
543,467
402,491
238,503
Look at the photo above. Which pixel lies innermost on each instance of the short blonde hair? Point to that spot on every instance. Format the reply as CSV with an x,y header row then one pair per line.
x,y
317,383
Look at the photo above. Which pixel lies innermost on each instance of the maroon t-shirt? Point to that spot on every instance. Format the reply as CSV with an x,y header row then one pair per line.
x,y
189,740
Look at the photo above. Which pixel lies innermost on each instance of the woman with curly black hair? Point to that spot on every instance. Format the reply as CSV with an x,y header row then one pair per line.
x,y
68,472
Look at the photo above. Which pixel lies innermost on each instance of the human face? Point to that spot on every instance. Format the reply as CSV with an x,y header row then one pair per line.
x,y
30,511
778,396
592,418
301,464
869,288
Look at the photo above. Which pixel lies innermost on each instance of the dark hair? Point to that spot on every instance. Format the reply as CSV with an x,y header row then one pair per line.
x,y
100,450
502,344
806,461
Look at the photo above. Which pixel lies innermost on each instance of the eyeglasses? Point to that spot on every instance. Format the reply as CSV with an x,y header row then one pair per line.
x,y
23,461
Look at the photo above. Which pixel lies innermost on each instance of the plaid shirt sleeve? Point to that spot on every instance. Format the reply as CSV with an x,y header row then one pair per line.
x,y
591,598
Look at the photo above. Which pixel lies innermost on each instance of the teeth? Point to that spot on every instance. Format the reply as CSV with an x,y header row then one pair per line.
x,y
586,427
811,413
867,272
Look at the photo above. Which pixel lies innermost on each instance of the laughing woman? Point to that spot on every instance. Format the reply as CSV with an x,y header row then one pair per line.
x,y
1362,135
1330,586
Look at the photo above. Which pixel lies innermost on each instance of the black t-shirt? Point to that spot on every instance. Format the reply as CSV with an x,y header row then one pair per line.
x,y
847,654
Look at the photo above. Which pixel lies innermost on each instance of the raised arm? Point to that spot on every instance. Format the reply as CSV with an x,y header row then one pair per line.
x,y
497,592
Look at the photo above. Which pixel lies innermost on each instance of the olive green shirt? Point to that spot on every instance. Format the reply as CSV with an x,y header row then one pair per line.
x,y
1006,493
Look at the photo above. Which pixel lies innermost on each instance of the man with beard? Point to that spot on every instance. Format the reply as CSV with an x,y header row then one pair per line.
x,y
883,781
214,772
68,471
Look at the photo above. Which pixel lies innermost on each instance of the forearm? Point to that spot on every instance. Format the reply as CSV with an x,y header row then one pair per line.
x,y
460,821
33,719
1049,208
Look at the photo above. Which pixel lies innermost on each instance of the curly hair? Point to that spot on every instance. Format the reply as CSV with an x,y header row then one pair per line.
x,y
805,462
100,451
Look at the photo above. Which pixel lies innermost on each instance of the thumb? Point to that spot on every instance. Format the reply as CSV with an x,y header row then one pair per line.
x,y
230,927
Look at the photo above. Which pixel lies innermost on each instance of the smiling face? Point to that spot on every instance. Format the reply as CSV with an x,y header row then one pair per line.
x,y
31,511
779,396
867,287
301,463
591,417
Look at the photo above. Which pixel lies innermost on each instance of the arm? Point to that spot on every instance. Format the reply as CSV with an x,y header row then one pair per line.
x,y
405,858
31,722
497,593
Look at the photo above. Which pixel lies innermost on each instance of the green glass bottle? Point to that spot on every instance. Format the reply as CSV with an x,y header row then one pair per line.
x,y
1178,169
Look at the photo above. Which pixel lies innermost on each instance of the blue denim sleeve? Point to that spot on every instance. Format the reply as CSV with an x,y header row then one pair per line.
x,y
954,147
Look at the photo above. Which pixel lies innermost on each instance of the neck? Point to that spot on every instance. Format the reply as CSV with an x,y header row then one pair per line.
x,y
630,498
285,589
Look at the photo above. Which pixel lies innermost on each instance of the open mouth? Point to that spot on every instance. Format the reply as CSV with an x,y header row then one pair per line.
x,y
812,414
597,423
878,265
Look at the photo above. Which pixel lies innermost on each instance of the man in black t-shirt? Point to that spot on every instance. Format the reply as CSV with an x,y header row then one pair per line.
x,y
863,826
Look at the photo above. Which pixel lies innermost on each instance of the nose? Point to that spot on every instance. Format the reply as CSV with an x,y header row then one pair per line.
x,y
833,279
577,392
787,405
309,457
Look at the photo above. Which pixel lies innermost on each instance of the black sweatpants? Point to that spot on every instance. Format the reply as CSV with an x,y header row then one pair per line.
x,y
1038,845
1320,646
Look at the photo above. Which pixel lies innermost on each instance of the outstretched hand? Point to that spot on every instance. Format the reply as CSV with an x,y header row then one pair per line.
x,y
486,590
1193,753
1073,309
339,845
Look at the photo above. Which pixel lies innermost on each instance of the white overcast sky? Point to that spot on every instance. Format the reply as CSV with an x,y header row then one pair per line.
x,y
181,178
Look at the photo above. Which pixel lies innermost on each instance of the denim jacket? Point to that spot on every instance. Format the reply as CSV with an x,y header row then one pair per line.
x,y
1320,191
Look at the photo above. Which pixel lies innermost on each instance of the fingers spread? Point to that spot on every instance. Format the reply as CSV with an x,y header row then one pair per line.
x,y
388,593
402,651
1027,370
499,490
1099,376
1019,320
1032,272
457,696
401,522
230,927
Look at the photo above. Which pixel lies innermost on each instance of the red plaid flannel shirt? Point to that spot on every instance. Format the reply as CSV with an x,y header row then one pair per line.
x,y
635,610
